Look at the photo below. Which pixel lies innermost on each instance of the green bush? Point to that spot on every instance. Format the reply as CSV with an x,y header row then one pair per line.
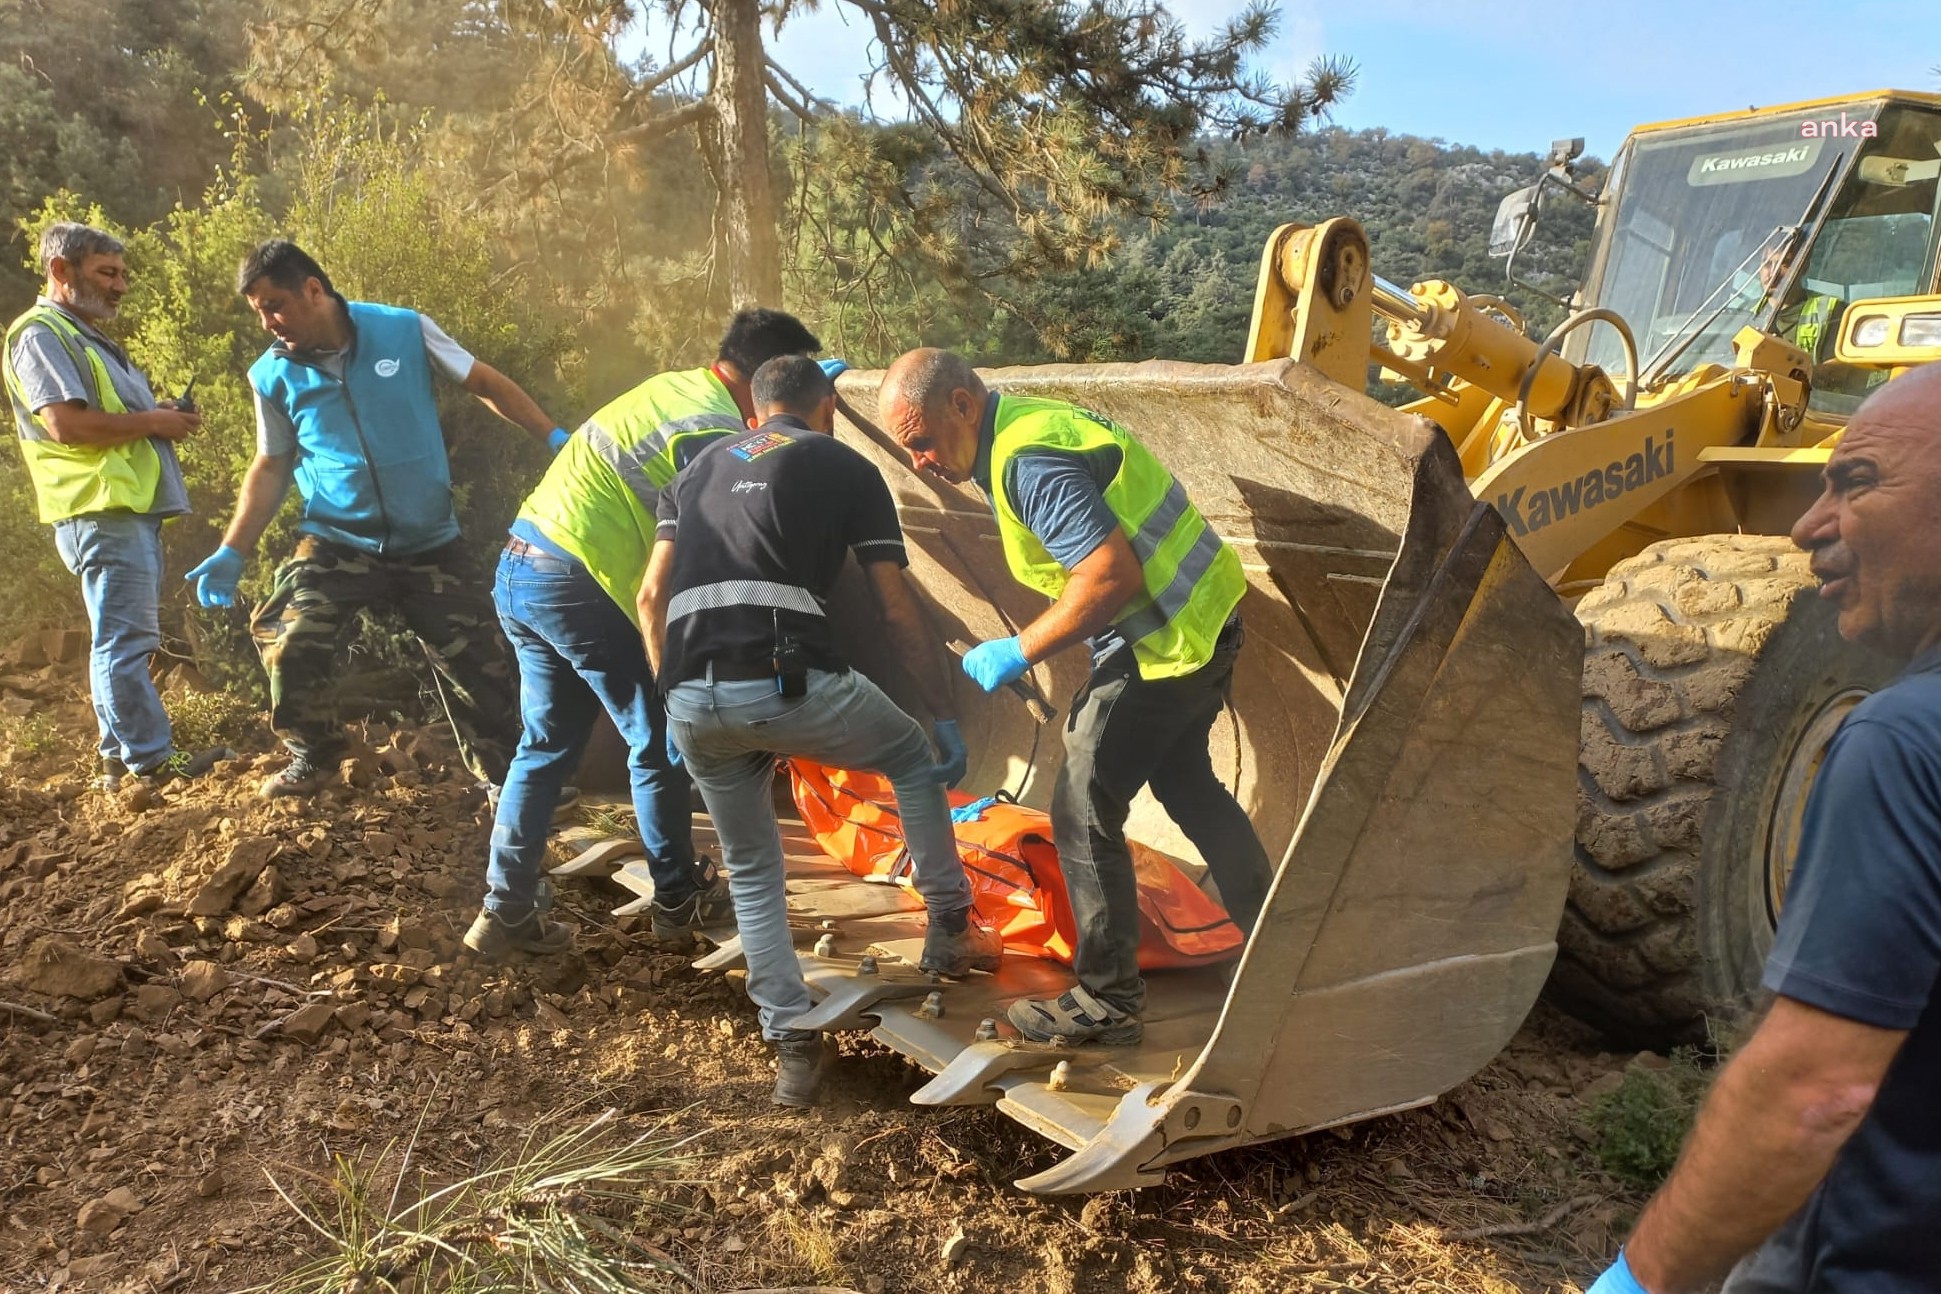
x,y
200,720
33,735
1641,1126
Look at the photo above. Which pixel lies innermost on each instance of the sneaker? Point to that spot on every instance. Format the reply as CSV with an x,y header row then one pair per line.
x,y
799,1069
184,767
1074,1016
108,774
493,937
708,908
298,777
974,948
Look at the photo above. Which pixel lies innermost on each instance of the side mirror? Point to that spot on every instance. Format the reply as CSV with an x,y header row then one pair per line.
x,y
1890,332
1516,219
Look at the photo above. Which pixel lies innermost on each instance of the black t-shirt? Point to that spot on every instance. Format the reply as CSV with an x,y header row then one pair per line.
x,y
761,524
1861,938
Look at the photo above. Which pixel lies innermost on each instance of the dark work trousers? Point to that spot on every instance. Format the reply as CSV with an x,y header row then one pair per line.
x,y
1126,732
304,627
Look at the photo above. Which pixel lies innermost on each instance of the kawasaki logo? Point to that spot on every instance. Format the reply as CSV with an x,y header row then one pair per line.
x,y
1759,164
1746,161
1599,485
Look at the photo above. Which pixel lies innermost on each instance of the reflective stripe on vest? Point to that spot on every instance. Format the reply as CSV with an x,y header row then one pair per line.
x,y
742,593
649,464
73,480
1193,580
1815,313
599,496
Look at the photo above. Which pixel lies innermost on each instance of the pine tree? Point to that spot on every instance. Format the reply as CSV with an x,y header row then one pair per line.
x,y
1061,115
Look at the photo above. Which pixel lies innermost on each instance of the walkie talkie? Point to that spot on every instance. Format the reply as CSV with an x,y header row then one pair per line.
x,y
185,403
791,663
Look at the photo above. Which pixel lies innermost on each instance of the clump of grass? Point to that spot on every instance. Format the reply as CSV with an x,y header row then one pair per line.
x,y
200,720
31,735
1641,1125
813,1244
554,1215
609,822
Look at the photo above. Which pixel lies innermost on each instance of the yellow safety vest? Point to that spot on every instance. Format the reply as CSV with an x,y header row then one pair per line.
x,y
599,498
1814,328
73,480
1193,580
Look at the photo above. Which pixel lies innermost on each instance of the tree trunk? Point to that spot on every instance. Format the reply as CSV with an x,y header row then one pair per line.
x,y
747,242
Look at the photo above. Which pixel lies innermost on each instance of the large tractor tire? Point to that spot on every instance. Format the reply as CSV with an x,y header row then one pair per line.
x,y
1713,679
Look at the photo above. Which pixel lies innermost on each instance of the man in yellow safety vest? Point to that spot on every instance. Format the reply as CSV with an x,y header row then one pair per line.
x,y
100,451
565,591
1087,516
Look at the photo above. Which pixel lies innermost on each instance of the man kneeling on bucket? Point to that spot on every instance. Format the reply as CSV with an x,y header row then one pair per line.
x,y
751,539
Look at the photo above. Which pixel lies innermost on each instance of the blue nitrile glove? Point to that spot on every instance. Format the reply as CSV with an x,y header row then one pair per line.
x,y
557,438
831,367
995,663
1617,1279
215,580
953,757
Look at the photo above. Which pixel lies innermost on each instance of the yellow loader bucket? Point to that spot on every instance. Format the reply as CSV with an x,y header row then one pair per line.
x,y
1403,732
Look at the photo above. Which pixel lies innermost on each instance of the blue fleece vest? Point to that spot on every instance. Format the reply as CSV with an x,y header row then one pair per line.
x,y
371,462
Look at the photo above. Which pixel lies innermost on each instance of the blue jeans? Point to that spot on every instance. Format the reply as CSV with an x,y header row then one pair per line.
x,y
730,734
118,556
577,651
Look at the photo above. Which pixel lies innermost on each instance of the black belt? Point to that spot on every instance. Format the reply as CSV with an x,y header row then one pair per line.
x,y
729,671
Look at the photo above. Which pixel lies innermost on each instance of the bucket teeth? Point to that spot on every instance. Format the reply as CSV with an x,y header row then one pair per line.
x,y
849,1004
968,1078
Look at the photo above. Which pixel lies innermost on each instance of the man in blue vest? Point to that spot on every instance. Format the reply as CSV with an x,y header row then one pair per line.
x,y
101,454
345,409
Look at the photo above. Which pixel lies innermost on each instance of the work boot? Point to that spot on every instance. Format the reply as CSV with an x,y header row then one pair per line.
x,y
492,937
183,767
1074,1016
301,776
799,1069
708,908
955,955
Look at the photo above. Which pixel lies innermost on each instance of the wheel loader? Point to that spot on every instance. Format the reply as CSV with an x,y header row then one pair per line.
x,y
1535,685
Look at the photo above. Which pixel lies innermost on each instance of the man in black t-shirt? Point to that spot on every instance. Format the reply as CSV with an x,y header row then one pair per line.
x,y
1817,1157
752,537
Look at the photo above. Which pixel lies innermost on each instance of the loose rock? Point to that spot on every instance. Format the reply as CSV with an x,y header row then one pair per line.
x,y
202,980
57,967
307,1023
245,863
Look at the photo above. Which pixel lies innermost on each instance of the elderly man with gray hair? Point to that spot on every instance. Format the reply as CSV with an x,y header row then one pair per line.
x,y
1815,1162
100,451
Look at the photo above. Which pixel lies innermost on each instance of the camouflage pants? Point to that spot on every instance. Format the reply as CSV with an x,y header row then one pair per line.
x,y
304,627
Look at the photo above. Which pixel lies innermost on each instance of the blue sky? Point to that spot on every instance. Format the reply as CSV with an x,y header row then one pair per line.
x,y
1515,74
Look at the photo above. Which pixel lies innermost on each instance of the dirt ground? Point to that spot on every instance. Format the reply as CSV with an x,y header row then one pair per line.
x,y
201,992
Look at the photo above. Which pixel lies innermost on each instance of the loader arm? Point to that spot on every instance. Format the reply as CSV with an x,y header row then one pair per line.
x,y
1572,461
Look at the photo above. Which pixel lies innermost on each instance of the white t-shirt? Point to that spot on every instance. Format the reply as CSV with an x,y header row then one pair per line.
x,y
277,436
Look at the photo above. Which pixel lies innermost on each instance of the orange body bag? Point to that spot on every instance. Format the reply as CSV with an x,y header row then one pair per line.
x,y
1016,883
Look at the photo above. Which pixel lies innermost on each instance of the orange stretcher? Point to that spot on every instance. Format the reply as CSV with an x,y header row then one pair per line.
x,y
1017,886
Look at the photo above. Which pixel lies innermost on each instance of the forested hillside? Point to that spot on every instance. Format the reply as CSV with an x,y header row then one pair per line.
x,y
509,171
1184,290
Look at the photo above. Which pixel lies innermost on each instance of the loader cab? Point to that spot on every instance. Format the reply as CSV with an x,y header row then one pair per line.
x,y
1777,218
